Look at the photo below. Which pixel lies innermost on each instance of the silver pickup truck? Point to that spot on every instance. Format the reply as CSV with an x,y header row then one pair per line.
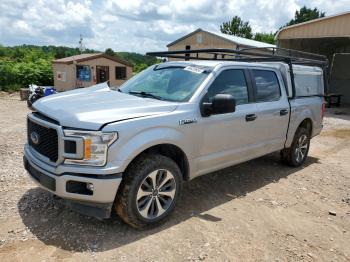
x,y
132,147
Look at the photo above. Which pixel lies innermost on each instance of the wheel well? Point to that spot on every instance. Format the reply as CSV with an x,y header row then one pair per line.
x,y
174,153
307,124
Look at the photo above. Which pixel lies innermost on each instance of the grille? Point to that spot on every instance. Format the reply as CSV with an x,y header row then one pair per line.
x,y
47,144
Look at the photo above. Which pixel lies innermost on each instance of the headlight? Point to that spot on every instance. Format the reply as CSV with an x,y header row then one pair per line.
x,y
95,145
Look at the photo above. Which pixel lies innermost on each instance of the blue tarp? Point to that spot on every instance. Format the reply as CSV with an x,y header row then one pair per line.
x,y
84,74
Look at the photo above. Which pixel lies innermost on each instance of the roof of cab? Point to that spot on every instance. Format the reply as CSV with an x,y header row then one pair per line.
x,y
213,63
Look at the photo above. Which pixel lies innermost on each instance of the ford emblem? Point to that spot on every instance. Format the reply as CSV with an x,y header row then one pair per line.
x,y
34,136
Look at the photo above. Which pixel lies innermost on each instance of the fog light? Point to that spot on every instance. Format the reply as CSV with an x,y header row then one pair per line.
x,y
90,186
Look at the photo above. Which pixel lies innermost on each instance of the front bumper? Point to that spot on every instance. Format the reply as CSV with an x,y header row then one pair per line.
x,y
105,188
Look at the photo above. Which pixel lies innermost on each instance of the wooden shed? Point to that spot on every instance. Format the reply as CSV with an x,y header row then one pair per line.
x,y
89,69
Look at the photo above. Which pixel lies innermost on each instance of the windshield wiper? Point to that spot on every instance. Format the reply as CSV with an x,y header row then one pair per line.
x,y
146,94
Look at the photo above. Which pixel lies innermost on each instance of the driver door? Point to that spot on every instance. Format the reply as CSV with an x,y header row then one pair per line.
x,y
226,139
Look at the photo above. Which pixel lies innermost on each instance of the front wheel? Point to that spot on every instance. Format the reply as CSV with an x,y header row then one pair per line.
x,y
296,155
149,191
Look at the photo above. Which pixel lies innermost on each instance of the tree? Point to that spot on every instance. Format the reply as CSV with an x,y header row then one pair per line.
x,y
265,37
237,27
305,14
109,51
139,67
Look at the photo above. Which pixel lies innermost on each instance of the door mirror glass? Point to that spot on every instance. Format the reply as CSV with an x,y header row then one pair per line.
x,y
220,104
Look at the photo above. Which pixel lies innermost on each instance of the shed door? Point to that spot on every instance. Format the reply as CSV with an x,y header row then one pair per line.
x,y
102,74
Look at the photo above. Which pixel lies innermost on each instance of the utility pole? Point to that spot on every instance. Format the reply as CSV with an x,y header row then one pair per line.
x,y
81,45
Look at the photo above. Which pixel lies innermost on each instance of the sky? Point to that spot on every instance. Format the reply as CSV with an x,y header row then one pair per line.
x,y
138,26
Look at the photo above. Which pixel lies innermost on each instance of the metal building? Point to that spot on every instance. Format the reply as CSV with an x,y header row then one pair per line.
x,y
201,39
328,36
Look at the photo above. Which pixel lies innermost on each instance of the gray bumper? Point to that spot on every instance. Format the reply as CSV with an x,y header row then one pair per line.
x,y
105,188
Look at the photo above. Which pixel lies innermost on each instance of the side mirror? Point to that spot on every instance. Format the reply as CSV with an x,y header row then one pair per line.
x,y
221,104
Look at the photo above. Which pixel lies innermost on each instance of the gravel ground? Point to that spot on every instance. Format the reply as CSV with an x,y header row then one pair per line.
x,y
257,211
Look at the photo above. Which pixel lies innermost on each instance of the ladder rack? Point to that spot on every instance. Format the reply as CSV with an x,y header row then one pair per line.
x,y
265,54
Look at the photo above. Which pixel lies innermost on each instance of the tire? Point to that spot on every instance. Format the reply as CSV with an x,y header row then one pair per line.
x,y
149,191
296,155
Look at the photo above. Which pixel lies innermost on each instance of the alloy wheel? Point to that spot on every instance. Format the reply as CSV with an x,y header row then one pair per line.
x,y
301,148
156,194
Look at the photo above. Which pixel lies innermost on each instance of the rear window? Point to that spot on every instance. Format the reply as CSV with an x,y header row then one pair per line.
x,y
267,86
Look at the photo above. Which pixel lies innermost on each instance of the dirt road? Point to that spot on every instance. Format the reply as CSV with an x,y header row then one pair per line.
x,y
257,211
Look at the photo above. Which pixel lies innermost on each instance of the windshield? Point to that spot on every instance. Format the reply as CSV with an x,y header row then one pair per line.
x,y
172,83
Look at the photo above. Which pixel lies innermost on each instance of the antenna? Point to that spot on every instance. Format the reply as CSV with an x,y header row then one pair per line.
x,y
81,45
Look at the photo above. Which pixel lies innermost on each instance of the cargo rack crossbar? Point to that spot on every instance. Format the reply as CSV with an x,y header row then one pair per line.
x,y
256,54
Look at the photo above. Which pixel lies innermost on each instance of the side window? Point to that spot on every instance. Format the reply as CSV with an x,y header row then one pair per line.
x,y
231,82
267,86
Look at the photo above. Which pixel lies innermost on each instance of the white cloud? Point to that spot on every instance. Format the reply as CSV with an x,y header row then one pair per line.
x,y
136,25
22,27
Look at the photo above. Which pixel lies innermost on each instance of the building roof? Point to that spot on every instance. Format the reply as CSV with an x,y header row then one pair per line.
x,y
232,38
314,21
86,57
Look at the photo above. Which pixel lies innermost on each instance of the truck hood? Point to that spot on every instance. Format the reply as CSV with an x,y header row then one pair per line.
x,y
91,108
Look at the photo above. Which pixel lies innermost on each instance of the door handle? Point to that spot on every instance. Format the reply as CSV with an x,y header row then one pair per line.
x,y
250,117
283,112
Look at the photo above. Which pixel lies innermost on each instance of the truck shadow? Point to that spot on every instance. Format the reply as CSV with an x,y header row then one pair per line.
x,y
56,225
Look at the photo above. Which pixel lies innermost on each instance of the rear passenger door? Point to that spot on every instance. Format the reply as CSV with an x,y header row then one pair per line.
x,y
272,115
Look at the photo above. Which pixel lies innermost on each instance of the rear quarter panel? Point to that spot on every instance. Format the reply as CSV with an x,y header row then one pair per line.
x,y
305,108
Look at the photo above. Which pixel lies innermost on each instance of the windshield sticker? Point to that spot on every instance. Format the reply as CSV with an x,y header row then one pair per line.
x,y
194,69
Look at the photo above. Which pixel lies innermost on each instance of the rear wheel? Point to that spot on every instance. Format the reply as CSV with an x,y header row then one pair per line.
x,y
296,155
149,191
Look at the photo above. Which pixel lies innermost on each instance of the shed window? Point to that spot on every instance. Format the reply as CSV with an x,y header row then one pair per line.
x,y
120,72
83,73
199,38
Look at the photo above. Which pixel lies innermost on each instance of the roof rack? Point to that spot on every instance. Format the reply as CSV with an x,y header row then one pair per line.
x,y
256,54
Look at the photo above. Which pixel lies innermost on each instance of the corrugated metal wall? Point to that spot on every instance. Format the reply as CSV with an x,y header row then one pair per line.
x,y
337,26
202,40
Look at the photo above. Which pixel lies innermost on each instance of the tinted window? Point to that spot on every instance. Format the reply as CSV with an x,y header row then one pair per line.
x,y
231,82
267,87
